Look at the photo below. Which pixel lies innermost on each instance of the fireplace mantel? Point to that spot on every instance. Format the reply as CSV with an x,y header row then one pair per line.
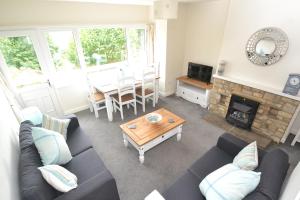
x,y
257,86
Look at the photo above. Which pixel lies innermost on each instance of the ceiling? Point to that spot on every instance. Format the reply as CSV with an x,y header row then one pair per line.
x,y
131,2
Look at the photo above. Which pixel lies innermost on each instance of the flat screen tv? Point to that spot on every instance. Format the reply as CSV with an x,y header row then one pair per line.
x,y
199,72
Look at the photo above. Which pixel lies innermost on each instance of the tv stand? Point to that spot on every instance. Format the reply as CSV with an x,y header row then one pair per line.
x,y
194,90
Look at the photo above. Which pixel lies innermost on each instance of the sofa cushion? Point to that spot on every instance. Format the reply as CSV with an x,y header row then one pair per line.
x,y
32,184
86,165
55,124
78,141
186,187
209,162
247,158
273,168
59,178
229,182
51,146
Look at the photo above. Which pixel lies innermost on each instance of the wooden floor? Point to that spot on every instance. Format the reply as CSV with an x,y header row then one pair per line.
x,y
248,136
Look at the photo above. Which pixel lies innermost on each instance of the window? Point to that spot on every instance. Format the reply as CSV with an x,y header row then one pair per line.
x,y
103,45
136,39
21,59
63,50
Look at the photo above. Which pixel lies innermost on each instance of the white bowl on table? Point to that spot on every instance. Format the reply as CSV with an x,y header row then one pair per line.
x,y
153,118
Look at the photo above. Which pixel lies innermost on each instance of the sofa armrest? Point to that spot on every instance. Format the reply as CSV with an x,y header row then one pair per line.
x,y
273,168
74,123
231,144
100,187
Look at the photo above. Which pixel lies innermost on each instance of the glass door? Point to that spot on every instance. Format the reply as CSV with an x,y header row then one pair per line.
x,y
26,71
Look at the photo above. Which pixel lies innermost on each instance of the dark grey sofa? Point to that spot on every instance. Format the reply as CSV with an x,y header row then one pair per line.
x,y
95,182
273,165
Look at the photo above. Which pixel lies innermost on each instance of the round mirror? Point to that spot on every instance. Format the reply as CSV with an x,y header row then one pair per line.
x,y
267,46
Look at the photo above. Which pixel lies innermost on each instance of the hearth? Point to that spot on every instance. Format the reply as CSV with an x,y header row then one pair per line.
x,y
241,111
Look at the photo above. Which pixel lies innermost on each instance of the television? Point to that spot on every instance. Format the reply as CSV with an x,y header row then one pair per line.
x,y
200,72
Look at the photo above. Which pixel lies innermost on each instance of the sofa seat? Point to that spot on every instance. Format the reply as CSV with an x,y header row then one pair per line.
x,y
78,142
86,165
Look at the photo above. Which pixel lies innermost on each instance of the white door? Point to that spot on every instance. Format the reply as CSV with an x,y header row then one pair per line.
x,y
27,71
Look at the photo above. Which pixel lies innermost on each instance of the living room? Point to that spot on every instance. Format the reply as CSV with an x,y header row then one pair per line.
x,y
185,133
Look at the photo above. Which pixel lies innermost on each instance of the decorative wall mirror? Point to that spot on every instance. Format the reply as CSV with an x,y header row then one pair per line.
x,y
266,46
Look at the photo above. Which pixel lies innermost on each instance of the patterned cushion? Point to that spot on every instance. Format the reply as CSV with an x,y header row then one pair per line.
x,y
54,124
51,146
59,178
229,183
247,158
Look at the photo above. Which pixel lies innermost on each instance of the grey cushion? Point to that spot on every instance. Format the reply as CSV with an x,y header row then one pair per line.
x,y
86,165
32,184
273,168
209,162
78,141
185,188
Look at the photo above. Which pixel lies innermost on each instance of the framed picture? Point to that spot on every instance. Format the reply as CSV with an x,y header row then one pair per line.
x,y
292,85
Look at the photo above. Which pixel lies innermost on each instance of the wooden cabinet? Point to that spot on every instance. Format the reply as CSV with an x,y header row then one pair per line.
x,y
193,90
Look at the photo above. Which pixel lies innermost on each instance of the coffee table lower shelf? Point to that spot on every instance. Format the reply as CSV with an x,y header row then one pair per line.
x,y
156,141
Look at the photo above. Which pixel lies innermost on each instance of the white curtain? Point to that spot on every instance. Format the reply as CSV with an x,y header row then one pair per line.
x,y
150,43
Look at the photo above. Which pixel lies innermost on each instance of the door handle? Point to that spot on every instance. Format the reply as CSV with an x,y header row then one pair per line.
x,y
49,83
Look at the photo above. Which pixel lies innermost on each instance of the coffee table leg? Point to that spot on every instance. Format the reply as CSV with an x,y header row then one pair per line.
x,y
179,133
125,140
141,156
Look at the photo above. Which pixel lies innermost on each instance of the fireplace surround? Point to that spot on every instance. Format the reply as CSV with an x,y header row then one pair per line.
x,y
274,112
241,111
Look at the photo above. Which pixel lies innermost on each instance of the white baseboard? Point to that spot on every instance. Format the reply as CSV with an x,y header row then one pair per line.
x,y
75,110
165,94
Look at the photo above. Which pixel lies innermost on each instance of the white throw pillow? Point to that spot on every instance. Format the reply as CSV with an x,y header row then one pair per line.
x,y
247,158
229,182
59,178
51,146
54,124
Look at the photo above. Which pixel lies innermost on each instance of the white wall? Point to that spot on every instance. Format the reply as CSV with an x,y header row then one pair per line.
x,y
54,13
246,17
175,49
205,23
9,148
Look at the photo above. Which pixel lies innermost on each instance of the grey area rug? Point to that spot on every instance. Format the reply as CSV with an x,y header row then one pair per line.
x,y
164,163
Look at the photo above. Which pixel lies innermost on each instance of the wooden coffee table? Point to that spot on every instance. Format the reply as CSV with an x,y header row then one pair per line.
x,y
146,135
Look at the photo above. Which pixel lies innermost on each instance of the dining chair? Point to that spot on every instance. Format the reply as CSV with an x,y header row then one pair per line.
x,y
96,100
147,91
126,95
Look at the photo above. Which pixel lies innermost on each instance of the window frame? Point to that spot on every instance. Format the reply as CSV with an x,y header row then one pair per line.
x,y
41,46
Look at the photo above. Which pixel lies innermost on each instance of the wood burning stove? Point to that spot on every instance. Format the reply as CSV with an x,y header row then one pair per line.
x,y
241,111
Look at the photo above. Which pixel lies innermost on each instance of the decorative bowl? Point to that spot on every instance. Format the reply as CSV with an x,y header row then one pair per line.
x,y
153,118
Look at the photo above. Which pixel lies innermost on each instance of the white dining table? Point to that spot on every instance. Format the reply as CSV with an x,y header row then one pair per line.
x,y
110,89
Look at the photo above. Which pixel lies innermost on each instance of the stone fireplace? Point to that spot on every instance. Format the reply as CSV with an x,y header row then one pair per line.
x,y
271,115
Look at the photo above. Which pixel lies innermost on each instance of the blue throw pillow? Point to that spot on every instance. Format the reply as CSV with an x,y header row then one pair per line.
x,y
51,146
32,114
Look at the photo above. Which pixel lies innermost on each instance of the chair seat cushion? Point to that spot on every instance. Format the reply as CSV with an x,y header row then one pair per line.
x,y
186,187
97,96
209,162
78,141
86,165
147,91
124,98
